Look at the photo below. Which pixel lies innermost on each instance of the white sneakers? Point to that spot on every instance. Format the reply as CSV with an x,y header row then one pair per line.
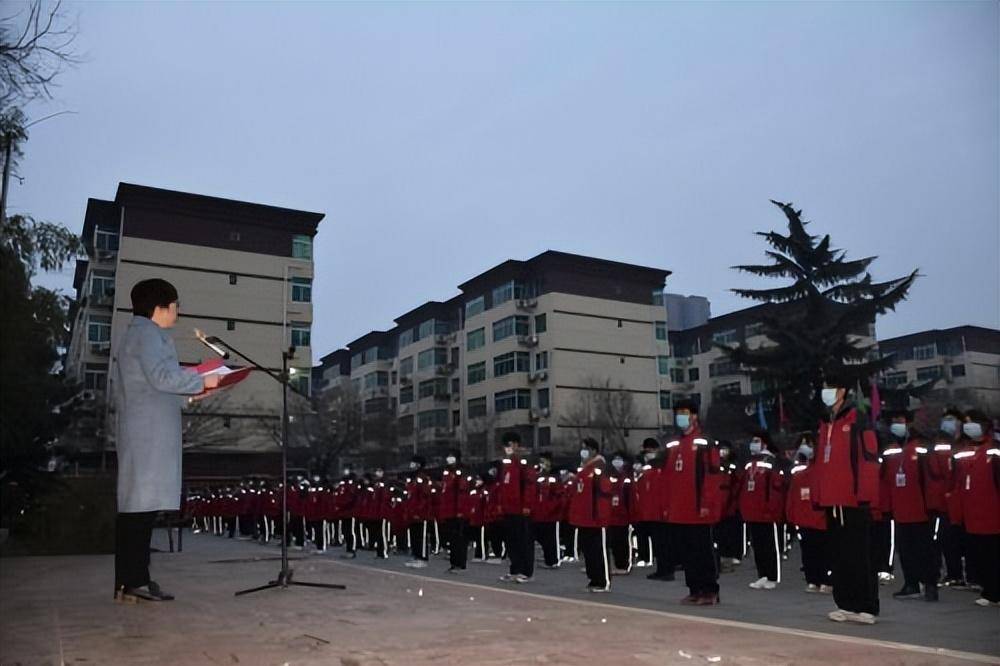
x,y
986,603
416,564
493,560
506,578
884,578
763,584
847,616
521,578
812,589
826,589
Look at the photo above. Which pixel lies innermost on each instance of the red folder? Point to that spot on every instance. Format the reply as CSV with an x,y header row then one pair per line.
x,y
227,376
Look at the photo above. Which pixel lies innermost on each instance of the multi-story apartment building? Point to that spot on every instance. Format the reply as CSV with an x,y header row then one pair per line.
x,y
962,362
243,272
555,347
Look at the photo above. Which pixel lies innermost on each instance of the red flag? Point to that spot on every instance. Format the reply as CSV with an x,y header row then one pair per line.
x,y
876,401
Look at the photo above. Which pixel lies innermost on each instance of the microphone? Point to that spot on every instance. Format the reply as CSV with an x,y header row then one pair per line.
x,y
212,343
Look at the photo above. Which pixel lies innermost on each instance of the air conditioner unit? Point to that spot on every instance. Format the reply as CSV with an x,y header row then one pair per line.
x,y
546,412
533,415
456,397
442,338
100,348
403,409
527,303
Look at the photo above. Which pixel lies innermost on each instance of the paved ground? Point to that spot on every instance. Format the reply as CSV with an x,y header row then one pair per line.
x,y
58,610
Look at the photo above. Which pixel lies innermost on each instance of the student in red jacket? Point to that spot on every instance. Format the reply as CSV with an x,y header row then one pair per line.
x,y
547,510
905,464
619,530
652,500
694,486
516,487
810,520
730,533
977,487
418,511
762,505
947,537
846,484
454,488
590,511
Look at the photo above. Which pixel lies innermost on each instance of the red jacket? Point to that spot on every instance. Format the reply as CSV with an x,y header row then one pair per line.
x,y
590,504
847,468
694,482
621,498
977,485
762,491
800,508
454,486
938,481
517,485
953,499
905,471
732,498
548,500
647,492
418,498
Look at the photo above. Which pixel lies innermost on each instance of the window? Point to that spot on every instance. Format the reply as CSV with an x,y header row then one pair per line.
x,y
301,381
234,236
898,378
434,418
542,361
958,370
657,297
406,338
513,399
511,362
477,407
693,374
98,328
374,379
503,329
302,247
924,352
432,357
301,336
665,400
929,373
756,328
301,290
230,324
456,418
661,330
543,398
102,285
356,384
729,388
406,425
476,373
475,306
503,293
541,324
232,278
369,355
433,388
356,361
95,380
677,375
105,240
725,337
475,339
425,330
406,367
663,365
456,384
406,394
723,368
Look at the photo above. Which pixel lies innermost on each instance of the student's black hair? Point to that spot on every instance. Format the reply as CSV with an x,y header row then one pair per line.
x,y
511,438
687,404
650,443
150,294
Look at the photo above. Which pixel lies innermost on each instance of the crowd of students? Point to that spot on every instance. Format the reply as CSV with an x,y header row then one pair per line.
x,y
852,499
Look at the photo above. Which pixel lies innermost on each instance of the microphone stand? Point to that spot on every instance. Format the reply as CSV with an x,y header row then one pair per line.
x,y
284,578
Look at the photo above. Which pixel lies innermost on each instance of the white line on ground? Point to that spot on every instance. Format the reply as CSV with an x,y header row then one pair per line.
x,y
786,631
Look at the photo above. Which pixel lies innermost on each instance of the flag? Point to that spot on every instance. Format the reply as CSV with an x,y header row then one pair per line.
x,y
782,417
876,401
760,414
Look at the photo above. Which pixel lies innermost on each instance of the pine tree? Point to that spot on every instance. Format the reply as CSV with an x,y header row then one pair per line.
x,y
816,322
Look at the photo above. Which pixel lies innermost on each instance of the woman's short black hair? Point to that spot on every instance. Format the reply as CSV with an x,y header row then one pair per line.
x,y
150,294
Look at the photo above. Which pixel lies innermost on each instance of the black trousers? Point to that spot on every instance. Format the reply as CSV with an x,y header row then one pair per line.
x,y
947,547
765,542
377,535
693,546
666,558
568,539
815,555
418,540
621,549
984,553
855,580
644,542
882,542
547,535
316,534
729,534
520,545
133,532
495,540
455,535
594,548
916,554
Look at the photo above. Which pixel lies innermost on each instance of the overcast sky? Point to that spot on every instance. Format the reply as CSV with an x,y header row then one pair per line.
x,y
441,139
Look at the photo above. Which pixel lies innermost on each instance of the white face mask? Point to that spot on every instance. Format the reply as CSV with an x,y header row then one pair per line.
x,y
584,454
508,451
414,465
805,451
973,430
829,397
648,456
450,460
379,474
949,425
755,446
683,421
898,429
618,463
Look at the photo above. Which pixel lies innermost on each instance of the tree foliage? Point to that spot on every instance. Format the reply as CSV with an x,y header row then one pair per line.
x,y
816,322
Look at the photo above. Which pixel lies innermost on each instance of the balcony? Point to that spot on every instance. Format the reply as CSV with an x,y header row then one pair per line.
x,y
538,376
527,303
100,348
527,340
445,370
